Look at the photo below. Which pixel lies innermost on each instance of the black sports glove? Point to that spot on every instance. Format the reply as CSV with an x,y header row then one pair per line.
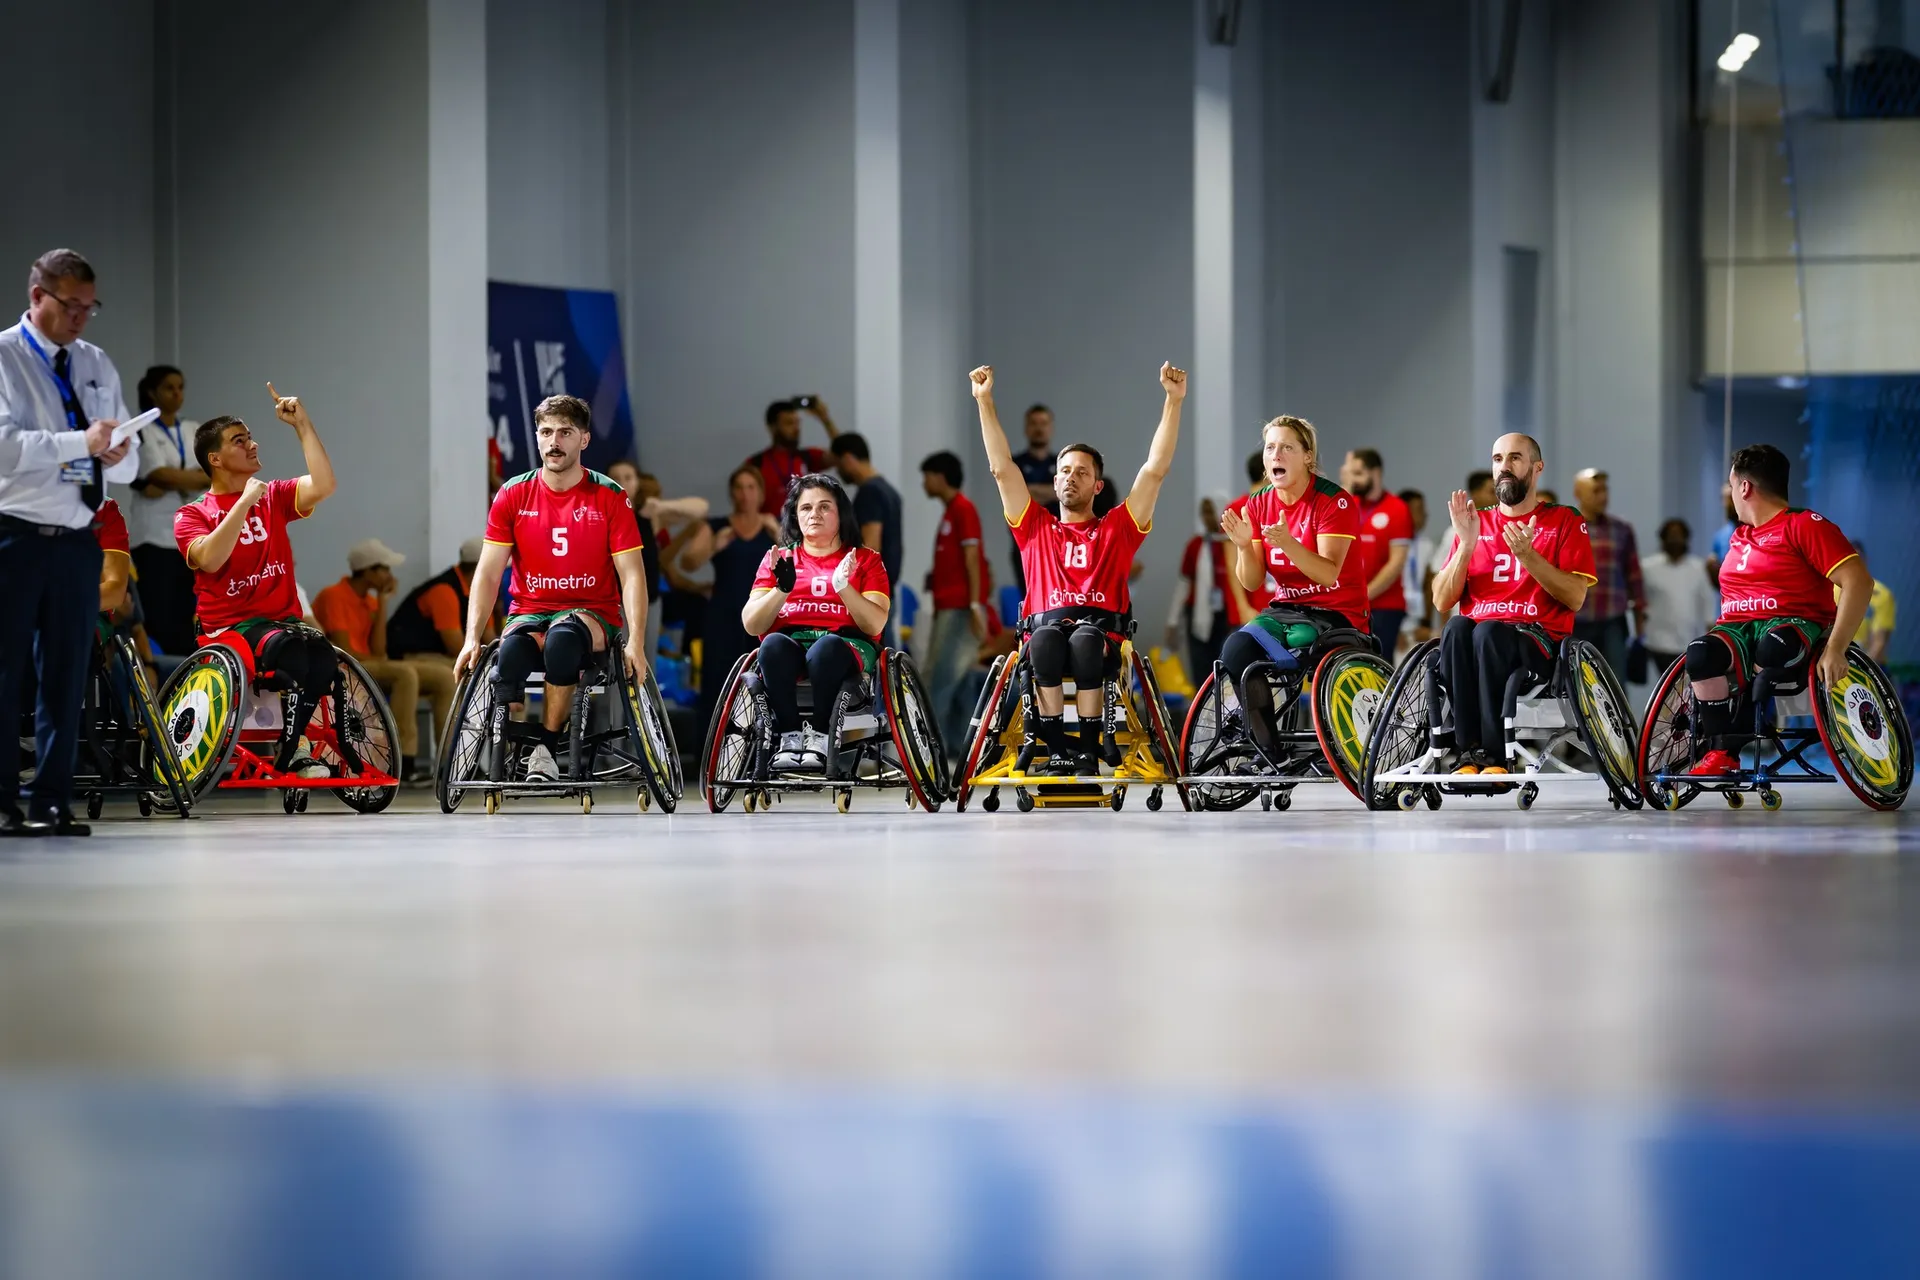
x,y
784,575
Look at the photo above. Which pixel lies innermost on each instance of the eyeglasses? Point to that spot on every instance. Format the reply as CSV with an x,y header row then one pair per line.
x,y
73,305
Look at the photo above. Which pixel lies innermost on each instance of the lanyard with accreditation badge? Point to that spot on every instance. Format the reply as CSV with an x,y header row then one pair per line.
x,y
79,471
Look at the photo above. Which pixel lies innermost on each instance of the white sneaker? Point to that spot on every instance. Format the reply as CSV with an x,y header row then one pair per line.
x,y
540,765
304,765
813,746
791,753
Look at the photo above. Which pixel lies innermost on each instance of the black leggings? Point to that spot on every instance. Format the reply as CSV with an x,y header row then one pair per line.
x,y
304,658
1053,651
827,665
1780,651
569,646
1475,660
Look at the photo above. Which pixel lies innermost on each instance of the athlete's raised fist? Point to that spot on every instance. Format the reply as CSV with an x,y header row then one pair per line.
x,y
784,573
1237,527
255,490
288,408
1173,381
1466,522
982,381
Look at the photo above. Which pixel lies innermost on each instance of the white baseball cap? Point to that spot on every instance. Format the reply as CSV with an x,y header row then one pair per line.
x,y
370,552
470,549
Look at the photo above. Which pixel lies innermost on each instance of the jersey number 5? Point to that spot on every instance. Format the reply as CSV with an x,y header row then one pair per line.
x,y
255,530
559,542
1076,556
1507,569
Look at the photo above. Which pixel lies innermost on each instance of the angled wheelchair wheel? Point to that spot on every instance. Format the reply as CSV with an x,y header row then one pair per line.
x,y
1666,741
355,727
1402,729
990,714
201,707
729,739
651,736
1605,713
158,764
463,739
1156,715
1865,731
1349,688
1213,740
915,736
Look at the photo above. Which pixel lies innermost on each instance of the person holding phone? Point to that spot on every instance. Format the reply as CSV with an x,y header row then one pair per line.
x,y
786,460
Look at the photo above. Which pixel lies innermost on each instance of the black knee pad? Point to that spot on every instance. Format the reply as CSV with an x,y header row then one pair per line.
x,y
1087,649
569,646
1047,654
518,658
1781,650
1708,658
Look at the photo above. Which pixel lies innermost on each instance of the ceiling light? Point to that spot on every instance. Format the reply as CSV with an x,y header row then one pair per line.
x,y
1738,52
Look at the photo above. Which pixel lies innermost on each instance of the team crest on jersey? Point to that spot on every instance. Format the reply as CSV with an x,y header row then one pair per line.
x,y
1379,518
1341,503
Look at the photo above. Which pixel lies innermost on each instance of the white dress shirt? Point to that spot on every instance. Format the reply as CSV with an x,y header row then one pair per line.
x,y
35,438
1681,601
150,520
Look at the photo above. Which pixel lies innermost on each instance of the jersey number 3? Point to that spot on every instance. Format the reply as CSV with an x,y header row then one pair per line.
x,y
1076,555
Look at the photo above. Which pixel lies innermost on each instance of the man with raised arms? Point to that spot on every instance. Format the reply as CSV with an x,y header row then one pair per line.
x,y
575,548
1076,565
1519,571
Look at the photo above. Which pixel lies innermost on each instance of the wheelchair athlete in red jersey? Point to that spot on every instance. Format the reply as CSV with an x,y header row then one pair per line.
x,y
1076,567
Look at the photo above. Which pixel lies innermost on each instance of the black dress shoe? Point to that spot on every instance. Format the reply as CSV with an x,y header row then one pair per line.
x,y
61,823
16,826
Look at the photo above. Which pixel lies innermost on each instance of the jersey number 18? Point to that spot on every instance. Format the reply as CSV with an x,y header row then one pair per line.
x,y
1076,555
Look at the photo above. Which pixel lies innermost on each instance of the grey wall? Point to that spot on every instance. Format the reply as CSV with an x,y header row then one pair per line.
x,y
1083,225
302,214
739,288
1368,206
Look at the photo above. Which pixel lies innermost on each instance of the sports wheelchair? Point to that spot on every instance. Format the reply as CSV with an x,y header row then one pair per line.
x,y
1002,751
619,738
120,736
1574,726
1858,723
884,741
224,720
1324,712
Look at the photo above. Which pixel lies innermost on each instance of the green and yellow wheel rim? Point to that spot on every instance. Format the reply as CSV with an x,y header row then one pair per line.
x,y
1861,729
1359,690
197,716
1614,738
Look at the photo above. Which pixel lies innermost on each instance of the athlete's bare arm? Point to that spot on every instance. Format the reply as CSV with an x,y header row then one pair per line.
x,y
1014,497
1856,592
757,616
1450,580
317,485
1153,473
481,597
630,568
209,552
1570,589
1322,564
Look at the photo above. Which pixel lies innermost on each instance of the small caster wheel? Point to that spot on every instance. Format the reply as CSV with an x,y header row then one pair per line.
x,y
146,804
300,799
1153,800
644,800
1669,799
493,803
1023,800
1406,798
843,798
1526,796
991,801
1283,801
95,803
1615,802
750,801
586,802
1118,799
1433,797
1266,802
287,801
1735,800
1770,800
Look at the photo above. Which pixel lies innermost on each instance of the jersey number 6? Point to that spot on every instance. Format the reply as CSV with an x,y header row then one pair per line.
x,y
559,542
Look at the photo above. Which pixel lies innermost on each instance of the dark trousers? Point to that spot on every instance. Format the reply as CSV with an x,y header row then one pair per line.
x,y
166,596
1609,636
1476,658
1385,625
827,664
46,627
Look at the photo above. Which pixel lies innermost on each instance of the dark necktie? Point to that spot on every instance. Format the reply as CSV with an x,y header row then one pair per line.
x,y
93,491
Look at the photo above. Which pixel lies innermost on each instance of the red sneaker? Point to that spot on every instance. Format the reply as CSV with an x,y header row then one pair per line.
x,y
1715,764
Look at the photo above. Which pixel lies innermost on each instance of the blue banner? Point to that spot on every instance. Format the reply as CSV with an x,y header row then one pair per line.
x,y
546,342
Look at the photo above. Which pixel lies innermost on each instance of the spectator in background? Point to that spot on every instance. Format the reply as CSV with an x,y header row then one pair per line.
x,y
956,593
1256,470
1386,537
1036,462
431,622
651,513
1480,489
1416,576
1549,495
1876,629
1682,601
877,508
786,460
1209,604
1722,537
734,544
353,613
1616,561
168,479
